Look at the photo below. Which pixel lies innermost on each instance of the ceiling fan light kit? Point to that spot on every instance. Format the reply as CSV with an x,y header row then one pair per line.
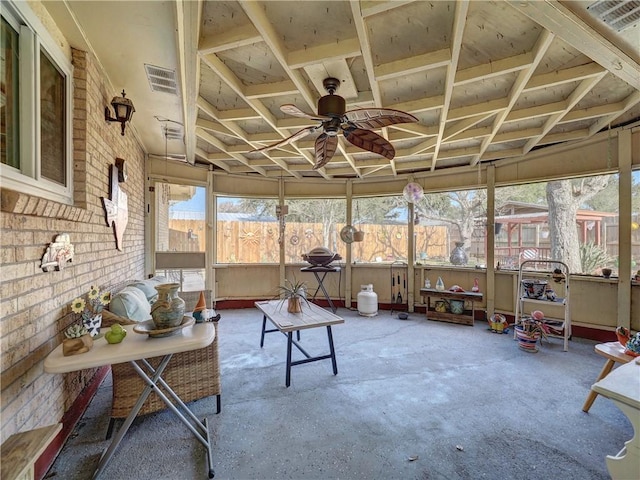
x,y
356,126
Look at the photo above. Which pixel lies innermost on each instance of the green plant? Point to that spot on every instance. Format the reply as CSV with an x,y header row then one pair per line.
x,y
75,331
592,257
295,289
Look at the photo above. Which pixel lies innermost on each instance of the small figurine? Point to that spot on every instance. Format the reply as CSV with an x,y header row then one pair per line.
x,y
440,284
116,334
476,287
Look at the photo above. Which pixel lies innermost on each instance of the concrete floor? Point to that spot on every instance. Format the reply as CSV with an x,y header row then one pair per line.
x,y
413,399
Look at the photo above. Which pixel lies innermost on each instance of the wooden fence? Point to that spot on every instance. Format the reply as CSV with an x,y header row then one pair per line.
x,y
257,242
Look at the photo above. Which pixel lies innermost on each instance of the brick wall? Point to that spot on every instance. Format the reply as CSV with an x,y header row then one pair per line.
x,y
34,305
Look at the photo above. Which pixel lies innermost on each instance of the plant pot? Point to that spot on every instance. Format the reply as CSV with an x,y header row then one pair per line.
x,y
623,335
75,346
93,325
358,236
294,305
527,341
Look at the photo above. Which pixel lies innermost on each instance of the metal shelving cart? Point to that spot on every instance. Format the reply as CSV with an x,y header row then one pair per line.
x,y
559,326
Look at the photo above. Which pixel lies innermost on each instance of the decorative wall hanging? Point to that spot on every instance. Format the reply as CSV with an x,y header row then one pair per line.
x,y
116,208
58,253
413,192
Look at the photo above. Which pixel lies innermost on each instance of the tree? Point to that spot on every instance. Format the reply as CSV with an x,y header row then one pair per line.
x,y
459,209
564,198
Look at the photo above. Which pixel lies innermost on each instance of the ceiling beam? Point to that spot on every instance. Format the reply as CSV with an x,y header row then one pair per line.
x,y
566,25
411,65
338,50
493,69
234,38
459,22
188,20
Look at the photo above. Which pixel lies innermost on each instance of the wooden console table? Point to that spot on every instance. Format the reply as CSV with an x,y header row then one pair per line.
x,y
464,318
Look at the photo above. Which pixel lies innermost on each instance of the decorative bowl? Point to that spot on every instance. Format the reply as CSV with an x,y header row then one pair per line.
x,y
534,288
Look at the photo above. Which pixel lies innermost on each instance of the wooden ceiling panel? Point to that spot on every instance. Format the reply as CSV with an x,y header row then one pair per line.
x,y
410,30
484,79
318,23
483,90
253,64
219,18
560,56
495,31
412,87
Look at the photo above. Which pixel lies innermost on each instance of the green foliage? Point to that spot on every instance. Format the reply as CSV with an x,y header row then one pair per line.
x,y
592,257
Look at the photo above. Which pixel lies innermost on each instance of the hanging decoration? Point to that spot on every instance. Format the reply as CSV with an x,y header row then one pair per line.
x,y
116,208
413,192
58,253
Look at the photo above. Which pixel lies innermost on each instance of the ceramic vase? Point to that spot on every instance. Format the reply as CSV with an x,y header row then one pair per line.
x,y
168,310
458,255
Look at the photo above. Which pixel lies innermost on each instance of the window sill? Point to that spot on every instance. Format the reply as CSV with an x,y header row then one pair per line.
x,y
24,204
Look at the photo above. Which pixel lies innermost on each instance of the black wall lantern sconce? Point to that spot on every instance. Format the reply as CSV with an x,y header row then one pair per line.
x,y
123,109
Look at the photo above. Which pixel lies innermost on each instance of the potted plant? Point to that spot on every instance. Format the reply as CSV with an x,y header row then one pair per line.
x,y
528,331
77,340
90,310
294,293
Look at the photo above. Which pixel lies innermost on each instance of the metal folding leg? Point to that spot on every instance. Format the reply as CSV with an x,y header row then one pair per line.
x,y
200,429
324,290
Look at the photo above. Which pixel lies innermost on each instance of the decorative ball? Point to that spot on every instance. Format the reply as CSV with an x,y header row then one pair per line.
x,y
413,192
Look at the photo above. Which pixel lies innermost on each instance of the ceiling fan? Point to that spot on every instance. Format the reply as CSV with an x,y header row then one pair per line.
x,y
354,124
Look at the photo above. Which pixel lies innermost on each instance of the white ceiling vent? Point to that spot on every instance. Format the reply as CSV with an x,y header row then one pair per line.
x,y
618,14
162,79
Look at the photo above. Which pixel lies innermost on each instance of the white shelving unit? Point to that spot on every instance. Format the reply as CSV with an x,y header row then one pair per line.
x,y
559,326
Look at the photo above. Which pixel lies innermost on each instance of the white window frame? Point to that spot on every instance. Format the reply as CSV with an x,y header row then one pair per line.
x,y
34,37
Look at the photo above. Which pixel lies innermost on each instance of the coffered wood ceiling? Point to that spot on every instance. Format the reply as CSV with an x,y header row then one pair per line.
x,y
486,80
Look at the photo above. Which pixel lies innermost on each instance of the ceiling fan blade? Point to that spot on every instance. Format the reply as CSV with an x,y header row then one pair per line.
x,y
290,109
377,117
296,136
325,149
371,141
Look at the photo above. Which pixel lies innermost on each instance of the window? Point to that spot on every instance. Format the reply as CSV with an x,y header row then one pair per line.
x,y
314,223
180,234
247,230
384,223
450,228
35,108
574,221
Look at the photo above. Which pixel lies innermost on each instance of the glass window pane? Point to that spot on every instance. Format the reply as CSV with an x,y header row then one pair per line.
x,y
450,228
314,223
180,218
52,121
574,221
190,280
247,230
384,223
9,96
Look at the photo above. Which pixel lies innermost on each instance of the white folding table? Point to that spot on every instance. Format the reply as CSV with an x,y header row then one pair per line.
x,y
136,349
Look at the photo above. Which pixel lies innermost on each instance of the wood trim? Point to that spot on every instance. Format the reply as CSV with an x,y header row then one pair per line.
x,y
69,421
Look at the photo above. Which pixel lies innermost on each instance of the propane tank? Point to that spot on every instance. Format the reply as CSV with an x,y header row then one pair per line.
x,y
367,301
